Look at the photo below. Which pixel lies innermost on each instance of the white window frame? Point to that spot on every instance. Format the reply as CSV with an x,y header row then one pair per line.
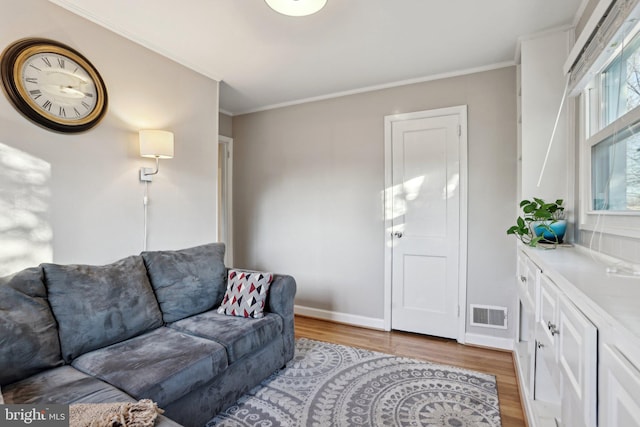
x,y
620,223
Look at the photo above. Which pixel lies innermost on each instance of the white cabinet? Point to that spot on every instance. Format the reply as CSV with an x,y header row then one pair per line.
x,y
559,371
525,339
546,338
619,389
577,359
586,370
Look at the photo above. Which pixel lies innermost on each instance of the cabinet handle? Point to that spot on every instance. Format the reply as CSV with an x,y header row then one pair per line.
x,y
552,328
523,279
540,345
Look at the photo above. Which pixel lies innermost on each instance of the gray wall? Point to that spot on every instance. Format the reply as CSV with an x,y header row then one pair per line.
x,y
308,183
225,123
77,198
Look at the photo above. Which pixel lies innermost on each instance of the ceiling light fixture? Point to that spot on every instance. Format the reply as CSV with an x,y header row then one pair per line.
x,y
296,7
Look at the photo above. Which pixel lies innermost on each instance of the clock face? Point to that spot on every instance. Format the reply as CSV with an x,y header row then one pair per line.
x,y
58,86
53,85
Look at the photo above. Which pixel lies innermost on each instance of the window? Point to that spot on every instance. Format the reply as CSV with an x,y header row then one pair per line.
x,y
619,98
615,174
612,149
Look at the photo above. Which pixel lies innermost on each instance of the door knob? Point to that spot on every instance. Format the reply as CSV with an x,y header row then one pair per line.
x,y
398,234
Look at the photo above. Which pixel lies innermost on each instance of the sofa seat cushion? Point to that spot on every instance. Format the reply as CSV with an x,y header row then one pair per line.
x,y
240,336
187,281
67,385
97,306
28,332
162,365
63,385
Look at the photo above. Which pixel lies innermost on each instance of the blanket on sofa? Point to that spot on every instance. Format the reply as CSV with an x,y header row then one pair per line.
x,y
123,414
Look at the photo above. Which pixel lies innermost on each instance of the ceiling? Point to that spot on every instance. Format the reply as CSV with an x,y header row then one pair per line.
x,y
264,59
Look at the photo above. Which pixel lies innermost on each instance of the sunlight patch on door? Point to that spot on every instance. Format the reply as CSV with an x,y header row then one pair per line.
x,y
25,231
395,197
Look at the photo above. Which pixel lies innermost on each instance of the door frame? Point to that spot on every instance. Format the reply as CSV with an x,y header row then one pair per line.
x,y
461,111
227,198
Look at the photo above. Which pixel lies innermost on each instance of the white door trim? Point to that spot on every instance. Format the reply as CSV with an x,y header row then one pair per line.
x,y
460,110
227,196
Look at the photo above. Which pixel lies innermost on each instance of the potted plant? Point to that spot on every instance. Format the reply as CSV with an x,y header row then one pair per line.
x,y
541,222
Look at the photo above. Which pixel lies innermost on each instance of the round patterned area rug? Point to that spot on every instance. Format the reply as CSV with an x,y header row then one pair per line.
x,y
334,385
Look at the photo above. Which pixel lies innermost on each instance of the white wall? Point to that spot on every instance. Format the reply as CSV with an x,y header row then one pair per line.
x,y
543,84
308,183
92,198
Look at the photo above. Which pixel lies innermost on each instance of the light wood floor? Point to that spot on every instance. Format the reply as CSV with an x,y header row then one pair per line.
x,y
439,350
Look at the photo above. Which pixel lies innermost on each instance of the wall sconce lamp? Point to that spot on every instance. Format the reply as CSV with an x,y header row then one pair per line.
x,y
155,144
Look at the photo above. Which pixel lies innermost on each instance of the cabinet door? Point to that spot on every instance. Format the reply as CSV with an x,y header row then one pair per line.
x,y
619,390
533,276
577,357
523,277
547,313
546,336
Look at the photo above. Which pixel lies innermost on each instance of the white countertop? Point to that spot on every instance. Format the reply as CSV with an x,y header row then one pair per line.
x,y
612,302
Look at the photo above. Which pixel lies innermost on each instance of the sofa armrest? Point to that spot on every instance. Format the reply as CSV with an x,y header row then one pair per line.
x,y
282,292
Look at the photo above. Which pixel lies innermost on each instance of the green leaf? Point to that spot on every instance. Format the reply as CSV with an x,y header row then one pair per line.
x,y
542,214
535,241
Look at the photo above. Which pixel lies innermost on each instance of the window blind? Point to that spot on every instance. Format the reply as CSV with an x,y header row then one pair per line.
x,y
617,20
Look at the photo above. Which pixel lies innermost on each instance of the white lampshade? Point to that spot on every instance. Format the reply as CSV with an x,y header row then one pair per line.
x,y
156,144
296,7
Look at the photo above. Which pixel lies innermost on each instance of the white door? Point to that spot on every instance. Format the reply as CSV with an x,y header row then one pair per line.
x,y
225,196
425,223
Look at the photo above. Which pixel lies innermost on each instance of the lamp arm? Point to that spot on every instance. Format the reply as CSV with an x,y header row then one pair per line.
x,y
155,172
147,173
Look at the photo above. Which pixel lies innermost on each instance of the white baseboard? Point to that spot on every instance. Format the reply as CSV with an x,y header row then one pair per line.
x,y
349,319
373,323
489,341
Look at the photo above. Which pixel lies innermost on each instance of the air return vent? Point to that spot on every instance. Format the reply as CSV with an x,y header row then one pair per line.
x,y
489,316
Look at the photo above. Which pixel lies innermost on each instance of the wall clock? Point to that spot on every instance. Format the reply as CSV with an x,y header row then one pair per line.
x,y
53,85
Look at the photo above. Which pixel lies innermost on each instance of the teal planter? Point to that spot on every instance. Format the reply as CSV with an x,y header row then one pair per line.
x,y
559,227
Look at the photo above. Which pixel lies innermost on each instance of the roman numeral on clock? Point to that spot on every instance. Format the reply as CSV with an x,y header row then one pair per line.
x,y
35,93
47,105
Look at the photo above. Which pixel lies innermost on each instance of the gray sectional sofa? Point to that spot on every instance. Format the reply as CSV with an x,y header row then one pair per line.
x,y
143,327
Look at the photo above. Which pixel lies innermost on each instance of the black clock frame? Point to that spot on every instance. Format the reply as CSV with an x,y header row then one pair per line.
x,y
8,75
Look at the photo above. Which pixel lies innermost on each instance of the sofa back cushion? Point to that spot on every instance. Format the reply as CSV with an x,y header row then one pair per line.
x,y
96,306
187,281
28,333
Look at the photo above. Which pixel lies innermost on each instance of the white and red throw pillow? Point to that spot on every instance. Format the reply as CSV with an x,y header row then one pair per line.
x,y
246,293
